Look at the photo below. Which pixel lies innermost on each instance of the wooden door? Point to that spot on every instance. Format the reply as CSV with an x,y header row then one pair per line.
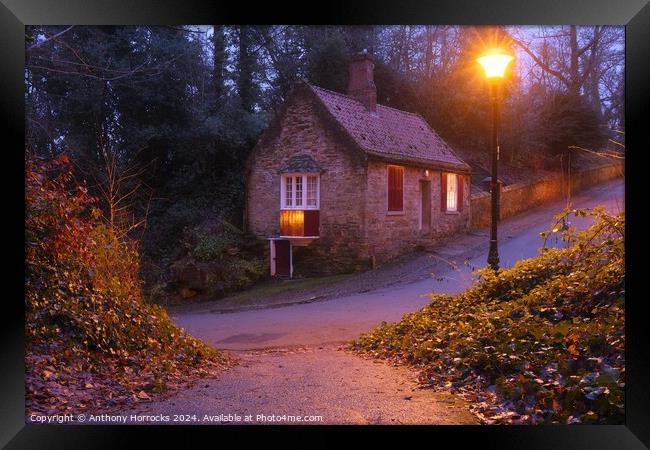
x,y
425,205
282,258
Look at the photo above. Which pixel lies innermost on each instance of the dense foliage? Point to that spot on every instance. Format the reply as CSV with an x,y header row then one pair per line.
x,y
541,342
142,121
164,117
218,258
91,340
566,119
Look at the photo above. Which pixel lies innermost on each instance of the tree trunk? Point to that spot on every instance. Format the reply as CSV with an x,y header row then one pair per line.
x,y
245,78
574,86
593,95
428,54
219,62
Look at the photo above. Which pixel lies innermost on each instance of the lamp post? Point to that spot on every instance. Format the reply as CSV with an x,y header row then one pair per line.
x,y
494,64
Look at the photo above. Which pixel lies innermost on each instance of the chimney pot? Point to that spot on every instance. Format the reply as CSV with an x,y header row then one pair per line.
x,y
361,84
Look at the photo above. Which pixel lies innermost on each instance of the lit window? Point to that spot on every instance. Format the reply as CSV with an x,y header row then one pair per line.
x,y
300,191
452,192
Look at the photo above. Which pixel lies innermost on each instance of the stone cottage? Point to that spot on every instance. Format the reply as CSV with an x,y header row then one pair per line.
x,y
338,183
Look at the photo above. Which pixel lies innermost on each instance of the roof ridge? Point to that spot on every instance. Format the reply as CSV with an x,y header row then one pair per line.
x,y
352,98
424,143
400,110
313,86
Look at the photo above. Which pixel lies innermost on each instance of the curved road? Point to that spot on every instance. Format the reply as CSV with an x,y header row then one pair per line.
x,y
291,362
343,319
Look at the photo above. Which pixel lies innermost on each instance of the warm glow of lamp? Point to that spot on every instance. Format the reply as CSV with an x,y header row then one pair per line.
x,y
495,62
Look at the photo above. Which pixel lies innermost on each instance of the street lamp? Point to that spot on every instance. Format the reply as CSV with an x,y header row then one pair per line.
x,y
494,63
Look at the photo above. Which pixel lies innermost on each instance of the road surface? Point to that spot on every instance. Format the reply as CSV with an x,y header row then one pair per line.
x,y
343,319
291,359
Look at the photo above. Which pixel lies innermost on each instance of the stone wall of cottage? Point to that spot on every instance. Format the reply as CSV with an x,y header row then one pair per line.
x,y
390,234
302,130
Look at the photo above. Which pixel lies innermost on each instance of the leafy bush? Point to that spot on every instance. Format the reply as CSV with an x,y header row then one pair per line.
x,y
209,245
223,257
542,341
83,301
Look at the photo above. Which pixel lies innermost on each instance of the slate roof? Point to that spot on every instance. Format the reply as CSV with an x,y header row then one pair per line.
x,y
389,133
301,164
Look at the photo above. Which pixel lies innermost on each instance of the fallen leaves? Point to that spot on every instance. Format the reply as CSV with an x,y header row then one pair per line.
x,y
91,382
142,395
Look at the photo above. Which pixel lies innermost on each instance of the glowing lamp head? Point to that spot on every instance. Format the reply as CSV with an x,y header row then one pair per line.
x,y
494,63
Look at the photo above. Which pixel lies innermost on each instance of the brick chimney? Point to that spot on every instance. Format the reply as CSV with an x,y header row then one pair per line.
x,y
361,85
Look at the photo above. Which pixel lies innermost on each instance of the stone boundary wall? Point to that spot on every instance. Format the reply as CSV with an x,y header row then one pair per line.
x,y
516,198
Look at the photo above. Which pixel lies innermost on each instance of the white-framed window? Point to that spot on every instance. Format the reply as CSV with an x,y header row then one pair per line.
x,y
312,191
300,191
452,192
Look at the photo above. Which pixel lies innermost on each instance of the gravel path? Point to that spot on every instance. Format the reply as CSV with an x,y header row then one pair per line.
x,y
323,381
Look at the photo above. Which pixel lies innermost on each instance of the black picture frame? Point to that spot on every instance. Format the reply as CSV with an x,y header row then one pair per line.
x,y
634,14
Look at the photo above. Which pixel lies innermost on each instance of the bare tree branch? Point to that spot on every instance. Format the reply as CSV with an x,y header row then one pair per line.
x,y
546,67
38,44
604,154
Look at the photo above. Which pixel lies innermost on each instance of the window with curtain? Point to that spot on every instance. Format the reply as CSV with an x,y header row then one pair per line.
x,y
395,188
